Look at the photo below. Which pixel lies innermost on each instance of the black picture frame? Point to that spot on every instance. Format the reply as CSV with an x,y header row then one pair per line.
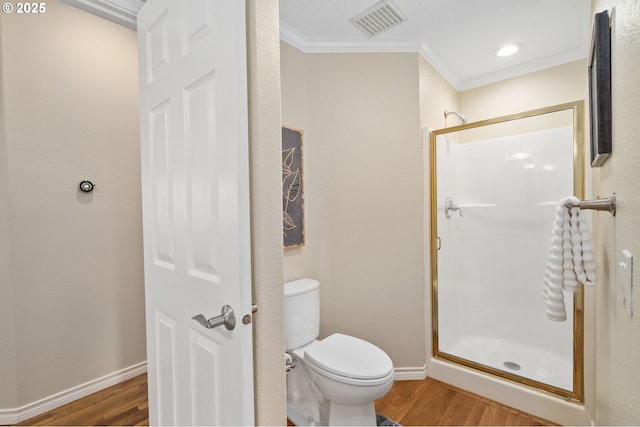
x,y
600,90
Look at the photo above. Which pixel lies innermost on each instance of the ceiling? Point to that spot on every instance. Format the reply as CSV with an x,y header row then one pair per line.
x,y
458,37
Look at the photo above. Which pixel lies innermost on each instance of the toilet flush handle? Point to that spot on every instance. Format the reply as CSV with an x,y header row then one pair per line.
x,y
288,362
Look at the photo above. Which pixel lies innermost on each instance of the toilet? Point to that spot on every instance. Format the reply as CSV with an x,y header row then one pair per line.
x,y
334,381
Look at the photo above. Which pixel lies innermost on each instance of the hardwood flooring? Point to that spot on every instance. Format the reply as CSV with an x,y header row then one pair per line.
x,y
123,404
434,403
425,403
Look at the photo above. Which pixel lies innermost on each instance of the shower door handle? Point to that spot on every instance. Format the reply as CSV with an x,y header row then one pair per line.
x,y
226,318
439,243
450,206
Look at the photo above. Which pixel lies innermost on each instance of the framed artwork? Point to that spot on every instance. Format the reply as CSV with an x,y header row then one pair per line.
x,y
292,188
600,90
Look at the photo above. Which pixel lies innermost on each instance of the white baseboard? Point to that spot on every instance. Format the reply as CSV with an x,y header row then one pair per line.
x,y
410,373
14,416
8,417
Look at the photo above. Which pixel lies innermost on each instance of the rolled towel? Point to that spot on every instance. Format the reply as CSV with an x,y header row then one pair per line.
x,y
587,252
576,243
556,309
569,282
553,271
570,260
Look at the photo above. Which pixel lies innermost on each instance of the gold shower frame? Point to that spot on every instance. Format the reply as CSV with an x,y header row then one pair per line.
x,y
577,394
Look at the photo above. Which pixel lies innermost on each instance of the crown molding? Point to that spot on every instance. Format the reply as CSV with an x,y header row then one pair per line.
x,y
308,45
441,67
522,69
123,12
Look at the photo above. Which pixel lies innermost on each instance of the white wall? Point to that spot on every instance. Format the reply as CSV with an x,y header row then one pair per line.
x,y
69,86
618,342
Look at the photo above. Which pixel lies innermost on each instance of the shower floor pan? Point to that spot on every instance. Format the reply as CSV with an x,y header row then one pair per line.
x,y
515,358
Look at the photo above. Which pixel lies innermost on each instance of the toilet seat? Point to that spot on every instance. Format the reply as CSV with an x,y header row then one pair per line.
x,y
349,360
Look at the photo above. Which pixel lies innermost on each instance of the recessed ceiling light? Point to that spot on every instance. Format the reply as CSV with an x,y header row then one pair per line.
x,y
508,50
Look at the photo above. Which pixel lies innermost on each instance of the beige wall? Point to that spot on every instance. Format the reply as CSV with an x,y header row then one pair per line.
x,y
71,113
436,96
266,210
8,386
293,66
363,194
618,343
556,85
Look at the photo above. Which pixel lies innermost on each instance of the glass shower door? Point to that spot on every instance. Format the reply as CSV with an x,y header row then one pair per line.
x,y
495,187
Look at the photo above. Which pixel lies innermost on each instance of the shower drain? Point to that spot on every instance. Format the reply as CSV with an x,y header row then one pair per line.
x,y
512,365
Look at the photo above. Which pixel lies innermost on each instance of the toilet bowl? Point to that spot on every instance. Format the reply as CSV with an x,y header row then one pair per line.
x,y
335,380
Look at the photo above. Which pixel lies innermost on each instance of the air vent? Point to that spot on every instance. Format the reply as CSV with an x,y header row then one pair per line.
x,y
378,18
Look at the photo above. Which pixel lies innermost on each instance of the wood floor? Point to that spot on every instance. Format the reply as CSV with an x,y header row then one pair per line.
x,y
123,404
433,403
425,403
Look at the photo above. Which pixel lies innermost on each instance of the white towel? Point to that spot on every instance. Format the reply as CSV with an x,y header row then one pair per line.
x,y
570,260
552,287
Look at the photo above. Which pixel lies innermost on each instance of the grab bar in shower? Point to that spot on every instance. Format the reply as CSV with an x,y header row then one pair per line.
x,y
607,204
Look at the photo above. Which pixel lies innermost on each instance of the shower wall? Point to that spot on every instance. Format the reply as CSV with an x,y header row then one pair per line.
x,y
71,262
493,251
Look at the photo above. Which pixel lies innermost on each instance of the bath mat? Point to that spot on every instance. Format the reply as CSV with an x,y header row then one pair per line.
x,y
381,420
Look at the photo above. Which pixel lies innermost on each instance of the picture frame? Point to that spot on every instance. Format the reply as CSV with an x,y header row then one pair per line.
x,y
600,90
293,227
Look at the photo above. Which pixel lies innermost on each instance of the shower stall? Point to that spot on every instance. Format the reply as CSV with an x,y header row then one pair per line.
x,y
494,187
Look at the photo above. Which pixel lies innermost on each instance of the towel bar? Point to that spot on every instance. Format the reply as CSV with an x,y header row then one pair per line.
x,y
608,204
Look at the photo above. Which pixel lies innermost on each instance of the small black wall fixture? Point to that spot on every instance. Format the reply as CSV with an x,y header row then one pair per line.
x,y
86,186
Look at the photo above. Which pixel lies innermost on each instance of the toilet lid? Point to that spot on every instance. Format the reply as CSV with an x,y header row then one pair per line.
x,y
350,357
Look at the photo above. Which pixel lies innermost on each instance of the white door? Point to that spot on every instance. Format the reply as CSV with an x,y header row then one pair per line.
x,y
195,189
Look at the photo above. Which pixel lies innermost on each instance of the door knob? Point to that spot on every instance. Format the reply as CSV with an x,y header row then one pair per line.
x,y
226,318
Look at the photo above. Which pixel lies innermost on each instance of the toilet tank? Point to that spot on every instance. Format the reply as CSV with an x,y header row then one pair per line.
x,y
301,312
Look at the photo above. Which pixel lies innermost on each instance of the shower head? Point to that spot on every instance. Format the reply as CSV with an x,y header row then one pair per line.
x,y
461,117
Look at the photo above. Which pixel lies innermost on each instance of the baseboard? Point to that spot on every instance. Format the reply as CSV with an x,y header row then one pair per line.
x,y
14,416
411,373
8,417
